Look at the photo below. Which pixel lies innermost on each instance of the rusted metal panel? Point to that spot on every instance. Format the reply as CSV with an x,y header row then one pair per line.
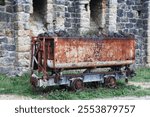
x,y
80,52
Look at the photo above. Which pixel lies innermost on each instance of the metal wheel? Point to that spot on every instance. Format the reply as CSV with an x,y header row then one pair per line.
x,y
110,82
77,84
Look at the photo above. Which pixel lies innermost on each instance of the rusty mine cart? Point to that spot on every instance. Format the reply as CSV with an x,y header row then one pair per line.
x,y
50,56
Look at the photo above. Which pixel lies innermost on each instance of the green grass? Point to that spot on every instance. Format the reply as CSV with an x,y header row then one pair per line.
x,y
143,75
21,86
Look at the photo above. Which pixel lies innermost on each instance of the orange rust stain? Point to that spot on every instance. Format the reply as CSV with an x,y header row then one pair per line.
x,y
72,50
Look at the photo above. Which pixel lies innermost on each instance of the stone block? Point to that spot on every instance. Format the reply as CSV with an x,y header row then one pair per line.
x,y
67,25
130,14
145,5
49,18
18,16
83,30
59,8
2,17
9,47
145,27
21,16
73,20
148,51
120,12
71,9
5,70
118,19
132,20
60,2
24,63
19,25
2,9
148,59
26,17
19,8
1,53
82,2
133,31
60,14
50,8
12,54
73,15
24,33
129,25
139,24
27,9
28,1
120,1
5,53
11,40
21,41
60,21
145,22
67,15
22,1
49,1
145,15
137,52
129,2
27,26
78,15
3,39
24,55
24,48
121,26
9,61
9,32
9,9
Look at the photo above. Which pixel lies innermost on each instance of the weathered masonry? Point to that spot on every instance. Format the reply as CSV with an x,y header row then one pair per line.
x,y
21,19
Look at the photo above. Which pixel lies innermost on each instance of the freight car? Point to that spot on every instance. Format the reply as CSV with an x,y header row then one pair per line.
x,y
50,56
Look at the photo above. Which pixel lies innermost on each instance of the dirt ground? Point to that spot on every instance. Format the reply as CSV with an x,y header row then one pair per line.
x,y
13,97
141,84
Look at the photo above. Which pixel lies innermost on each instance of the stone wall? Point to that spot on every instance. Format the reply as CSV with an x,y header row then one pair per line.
x,y
132,17
111,16
21,19
7,40
23,32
